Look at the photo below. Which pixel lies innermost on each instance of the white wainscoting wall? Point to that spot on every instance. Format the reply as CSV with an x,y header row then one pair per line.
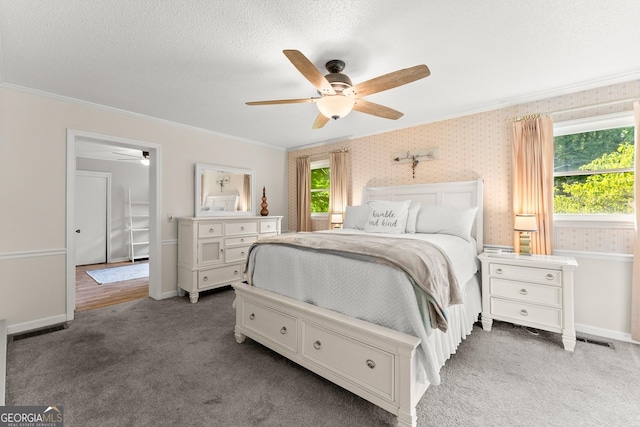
x,y
602,299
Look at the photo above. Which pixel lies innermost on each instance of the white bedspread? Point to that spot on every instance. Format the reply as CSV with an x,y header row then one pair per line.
x,y
336,283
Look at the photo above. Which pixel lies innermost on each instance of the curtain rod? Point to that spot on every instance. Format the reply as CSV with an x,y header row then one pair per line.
x,y
570,110
344,150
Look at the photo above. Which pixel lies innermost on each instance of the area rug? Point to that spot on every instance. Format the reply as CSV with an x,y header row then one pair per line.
x,y
118,274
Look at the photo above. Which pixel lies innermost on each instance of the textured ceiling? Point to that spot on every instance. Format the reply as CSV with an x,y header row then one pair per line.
x,y
197,62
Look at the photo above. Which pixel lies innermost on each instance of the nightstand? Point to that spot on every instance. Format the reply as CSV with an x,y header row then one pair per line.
x,y
529,290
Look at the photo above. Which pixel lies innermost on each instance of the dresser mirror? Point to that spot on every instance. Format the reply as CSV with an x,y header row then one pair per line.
x,y
223,191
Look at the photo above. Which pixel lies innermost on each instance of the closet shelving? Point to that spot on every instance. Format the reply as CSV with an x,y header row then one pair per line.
x,y
138,229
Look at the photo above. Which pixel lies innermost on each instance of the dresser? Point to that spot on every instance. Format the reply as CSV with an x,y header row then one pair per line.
x,y
212,252
529,290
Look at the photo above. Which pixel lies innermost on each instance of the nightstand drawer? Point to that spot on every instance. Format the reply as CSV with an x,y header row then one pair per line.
x,y
540,275
525,313
528,292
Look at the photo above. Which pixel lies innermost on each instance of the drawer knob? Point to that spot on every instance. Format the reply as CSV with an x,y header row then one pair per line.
x,y
242,240
498,271
235,272
222,250
211,230
242,228
317,345
242,253
205,278
371,363
550,276
524,312
268,225
252,316
283,330
523,291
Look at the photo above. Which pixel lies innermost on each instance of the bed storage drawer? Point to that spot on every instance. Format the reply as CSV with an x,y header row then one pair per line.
x,y
349,358
271,324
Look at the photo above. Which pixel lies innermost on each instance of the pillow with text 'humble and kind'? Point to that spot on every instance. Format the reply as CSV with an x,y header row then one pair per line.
x,y
387,217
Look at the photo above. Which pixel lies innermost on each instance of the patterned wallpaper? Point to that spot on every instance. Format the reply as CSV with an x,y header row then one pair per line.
x,y
472,147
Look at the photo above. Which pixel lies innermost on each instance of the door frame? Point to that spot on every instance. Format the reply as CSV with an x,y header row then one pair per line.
x,y
155,208
107,232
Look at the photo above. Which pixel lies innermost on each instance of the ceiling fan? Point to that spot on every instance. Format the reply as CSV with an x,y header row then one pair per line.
x,y
144,159
338,95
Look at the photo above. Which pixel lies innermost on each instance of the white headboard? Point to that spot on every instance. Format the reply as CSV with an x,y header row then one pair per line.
x,y
463,194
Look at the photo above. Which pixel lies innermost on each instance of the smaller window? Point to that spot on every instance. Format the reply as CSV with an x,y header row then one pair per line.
x,y
320,188
594,167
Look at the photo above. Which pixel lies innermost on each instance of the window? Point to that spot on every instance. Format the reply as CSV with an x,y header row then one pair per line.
x,y
594,167
320,188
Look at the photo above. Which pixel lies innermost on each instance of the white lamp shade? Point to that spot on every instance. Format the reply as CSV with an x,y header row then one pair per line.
x,y
335,106
336,218
525,222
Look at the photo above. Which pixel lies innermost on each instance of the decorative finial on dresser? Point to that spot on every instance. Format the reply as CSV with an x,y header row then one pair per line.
x,y
264,211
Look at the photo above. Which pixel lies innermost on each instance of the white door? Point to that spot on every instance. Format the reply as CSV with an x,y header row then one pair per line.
x,y
91,217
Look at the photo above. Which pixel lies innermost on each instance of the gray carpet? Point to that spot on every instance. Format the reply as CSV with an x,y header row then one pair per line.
x,y
172,363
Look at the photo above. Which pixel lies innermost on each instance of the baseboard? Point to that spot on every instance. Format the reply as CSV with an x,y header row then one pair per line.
x,y
169,294
3,359
605,333
36,324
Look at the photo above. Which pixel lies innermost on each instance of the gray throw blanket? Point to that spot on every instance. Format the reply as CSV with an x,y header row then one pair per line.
x,y
427,266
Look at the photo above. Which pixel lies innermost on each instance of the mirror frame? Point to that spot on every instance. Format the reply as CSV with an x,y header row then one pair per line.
x,y
200,168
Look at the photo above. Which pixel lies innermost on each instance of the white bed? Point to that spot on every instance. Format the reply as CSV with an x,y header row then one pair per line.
x,y
381,344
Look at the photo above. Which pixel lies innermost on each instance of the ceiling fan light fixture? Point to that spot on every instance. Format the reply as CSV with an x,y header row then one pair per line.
x,y
335,106
145,158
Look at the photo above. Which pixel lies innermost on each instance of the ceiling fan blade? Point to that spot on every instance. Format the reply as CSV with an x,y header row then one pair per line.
x,y
389,81
119,153
377,110
321,120
283,101
310,72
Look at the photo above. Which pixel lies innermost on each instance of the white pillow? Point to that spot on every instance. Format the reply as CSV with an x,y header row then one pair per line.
x,y
445,219
356,217
387,217
414,207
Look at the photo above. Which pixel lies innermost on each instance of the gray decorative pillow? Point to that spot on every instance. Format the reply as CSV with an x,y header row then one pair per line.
x,y
356,217
414,208
387,217
445,219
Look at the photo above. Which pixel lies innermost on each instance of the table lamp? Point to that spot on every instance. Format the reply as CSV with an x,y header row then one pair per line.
x,y
525,224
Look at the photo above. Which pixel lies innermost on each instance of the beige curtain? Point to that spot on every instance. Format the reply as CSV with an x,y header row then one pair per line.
x,y
635,287
303,171
339,183
532,161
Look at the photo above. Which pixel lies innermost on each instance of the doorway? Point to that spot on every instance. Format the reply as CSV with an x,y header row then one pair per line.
x,y
74,138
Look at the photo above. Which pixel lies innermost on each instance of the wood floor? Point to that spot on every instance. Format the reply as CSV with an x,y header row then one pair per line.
x,y
90,295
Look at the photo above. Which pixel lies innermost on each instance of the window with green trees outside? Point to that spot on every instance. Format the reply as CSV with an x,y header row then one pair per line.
x,y
320,190
594,172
